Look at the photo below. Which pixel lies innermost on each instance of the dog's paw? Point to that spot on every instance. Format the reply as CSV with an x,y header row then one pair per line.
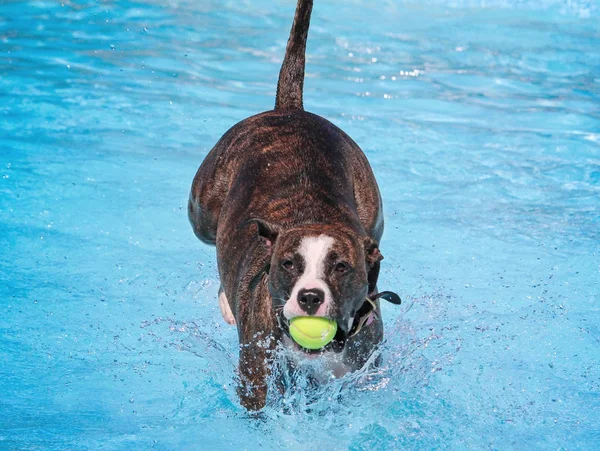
x,y
225,309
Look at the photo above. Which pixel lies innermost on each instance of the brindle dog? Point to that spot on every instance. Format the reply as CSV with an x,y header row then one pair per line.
x,y
295,212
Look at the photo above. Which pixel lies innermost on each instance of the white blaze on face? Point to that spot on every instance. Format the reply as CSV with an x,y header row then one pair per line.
x,y
314,250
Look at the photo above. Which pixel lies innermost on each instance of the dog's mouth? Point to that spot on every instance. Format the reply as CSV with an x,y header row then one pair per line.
x,y
362,318
336,345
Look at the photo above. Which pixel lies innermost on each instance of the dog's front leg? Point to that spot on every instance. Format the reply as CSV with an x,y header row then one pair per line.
x,y
256,358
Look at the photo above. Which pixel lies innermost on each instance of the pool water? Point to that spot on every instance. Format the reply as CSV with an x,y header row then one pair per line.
x,y
481,120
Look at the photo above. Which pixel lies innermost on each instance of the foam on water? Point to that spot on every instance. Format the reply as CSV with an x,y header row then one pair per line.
x,y
481,122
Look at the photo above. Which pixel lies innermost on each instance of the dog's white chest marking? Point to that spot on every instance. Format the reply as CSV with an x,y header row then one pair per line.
x,y
329,363
314,251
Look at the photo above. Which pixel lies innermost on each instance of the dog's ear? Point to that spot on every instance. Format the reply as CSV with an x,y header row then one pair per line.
x,y
372,253
266,232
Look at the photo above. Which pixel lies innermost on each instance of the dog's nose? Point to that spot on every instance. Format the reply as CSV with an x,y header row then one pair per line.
x,y
310,300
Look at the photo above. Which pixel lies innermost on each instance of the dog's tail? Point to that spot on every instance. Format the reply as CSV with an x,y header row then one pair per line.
x,y
291,76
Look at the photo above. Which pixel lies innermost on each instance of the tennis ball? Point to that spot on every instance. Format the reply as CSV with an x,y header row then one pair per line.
x,y
312,332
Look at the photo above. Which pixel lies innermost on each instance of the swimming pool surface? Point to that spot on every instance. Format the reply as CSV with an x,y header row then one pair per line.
x,y
481,120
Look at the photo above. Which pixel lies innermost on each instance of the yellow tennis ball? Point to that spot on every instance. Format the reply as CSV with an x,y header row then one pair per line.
x,y
312,332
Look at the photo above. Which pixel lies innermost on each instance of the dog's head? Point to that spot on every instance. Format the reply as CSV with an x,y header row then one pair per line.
x,y
319,270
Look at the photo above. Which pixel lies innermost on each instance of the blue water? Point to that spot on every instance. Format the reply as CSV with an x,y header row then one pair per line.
x,y
481,120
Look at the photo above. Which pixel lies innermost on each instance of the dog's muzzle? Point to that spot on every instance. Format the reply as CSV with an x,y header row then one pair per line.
x,y
364,317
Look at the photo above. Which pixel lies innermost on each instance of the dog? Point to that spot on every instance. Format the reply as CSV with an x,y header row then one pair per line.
x,y
295,212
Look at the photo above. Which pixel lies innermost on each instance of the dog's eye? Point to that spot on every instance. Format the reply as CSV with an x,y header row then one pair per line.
x,y
288,264
342,267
